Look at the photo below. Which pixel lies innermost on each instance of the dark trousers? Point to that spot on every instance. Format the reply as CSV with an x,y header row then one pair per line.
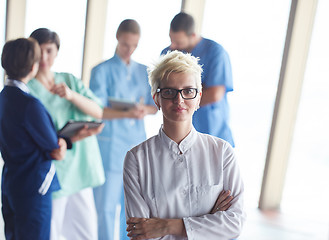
x,y
27,217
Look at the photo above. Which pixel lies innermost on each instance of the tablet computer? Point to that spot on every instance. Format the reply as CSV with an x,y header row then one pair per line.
x,y
121,104
72,127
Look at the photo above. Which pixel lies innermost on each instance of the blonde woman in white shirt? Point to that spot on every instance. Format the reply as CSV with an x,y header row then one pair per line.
x,y
177,183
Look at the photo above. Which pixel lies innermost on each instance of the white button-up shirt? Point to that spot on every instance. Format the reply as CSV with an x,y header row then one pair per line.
x,y
164,179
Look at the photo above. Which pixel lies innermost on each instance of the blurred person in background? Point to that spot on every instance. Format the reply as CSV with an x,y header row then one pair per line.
x,y
28,144
67,98
123,79
213,115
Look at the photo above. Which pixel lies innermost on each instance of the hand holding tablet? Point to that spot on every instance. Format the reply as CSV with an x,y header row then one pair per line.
x,y
71,128
123,105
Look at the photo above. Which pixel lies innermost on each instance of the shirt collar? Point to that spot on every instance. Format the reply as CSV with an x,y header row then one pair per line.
x,y
183,146
119,59
19,84
198,46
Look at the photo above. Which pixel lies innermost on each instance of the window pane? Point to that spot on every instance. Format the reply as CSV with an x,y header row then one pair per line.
x,y
307,177
67,18
154,18
2,35
253,33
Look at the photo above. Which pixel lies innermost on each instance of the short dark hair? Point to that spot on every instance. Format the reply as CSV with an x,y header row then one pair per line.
x,y
128,26
44,35
18,57
183,22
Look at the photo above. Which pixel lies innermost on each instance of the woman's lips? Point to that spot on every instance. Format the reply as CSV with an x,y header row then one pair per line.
x,y
179,109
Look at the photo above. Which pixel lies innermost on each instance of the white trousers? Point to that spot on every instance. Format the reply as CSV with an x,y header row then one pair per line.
x,y
74,217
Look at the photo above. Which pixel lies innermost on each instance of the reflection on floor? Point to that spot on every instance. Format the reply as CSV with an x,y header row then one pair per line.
x,y
271,225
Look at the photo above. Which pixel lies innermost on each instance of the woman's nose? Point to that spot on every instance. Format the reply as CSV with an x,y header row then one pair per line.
x,y
179,97
43,56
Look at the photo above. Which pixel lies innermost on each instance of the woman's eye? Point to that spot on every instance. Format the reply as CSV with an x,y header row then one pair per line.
x,y
188,91
168,92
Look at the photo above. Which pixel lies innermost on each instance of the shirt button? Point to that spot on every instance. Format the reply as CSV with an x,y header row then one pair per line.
x,y
184,192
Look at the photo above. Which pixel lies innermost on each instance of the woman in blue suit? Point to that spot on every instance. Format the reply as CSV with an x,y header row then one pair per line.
x,y
28,143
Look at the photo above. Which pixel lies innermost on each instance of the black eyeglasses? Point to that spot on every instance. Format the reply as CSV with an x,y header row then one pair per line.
x,y
171,93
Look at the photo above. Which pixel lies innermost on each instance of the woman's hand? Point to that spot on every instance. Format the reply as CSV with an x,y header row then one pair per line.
x,y
62,90
223,202
146,228
59,153
86,132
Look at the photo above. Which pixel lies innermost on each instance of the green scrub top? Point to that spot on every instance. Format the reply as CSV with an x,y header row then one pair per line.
x,y
82,166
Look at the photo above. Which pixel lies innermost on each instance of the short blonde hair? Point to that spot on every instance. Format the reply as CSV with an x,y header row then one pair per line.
x,y
177,62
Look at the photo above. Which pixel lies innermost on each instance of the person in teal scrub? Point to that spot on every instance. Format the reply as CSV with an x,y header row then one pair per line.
x,y
67,98
123,79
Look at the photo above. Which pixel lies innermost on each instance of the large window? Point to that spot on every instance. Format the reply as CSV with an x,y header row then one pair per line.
x,y
154,18
308,171
67,18
253,33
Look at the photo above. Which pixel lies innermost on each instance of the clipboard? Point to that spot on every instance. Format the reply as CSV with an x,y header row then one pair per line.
x,y
72,127
119,104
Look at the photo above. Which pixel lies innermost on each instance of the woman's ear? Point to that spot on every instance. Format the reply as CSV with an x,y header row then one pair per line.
x,y
155,99
34,69
199,100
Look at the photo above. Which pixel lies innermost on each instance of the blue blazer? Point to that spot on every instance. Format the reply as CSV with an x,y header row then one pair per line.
x,y
27,136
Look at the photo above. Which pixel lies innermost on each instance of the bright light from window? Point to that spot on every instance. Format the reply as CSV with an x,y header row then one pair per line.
x,y
67,18
253,33
307,176
154,18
